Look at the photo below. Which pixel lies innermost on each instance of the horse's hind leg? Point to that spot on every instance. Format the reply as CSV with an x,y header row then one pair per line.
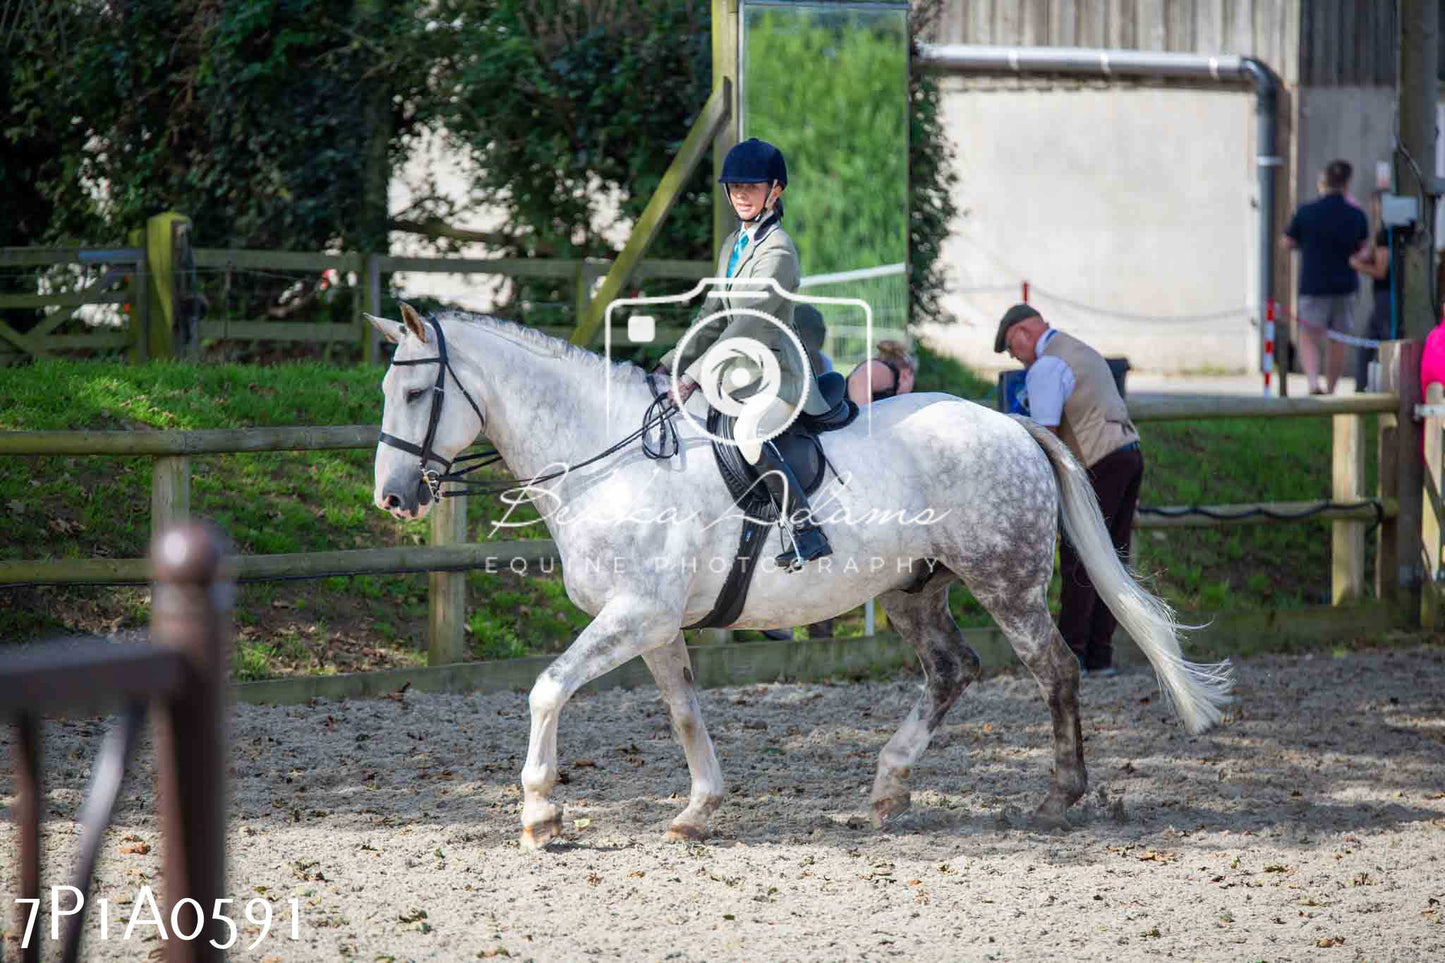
x,y
949,665
1024,619
673,671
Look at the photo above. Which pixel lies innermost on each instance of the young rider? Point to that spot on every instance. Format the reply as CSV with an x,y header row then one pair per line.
x,y
754,174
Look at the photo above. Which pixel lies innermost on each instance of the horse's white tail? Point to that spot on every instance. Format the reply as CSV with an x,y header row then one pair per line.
x,y
1195,691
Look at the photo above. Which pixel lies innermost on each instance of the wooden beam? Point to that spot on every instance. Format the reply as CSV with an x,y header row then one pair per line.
x,y
213,257
448,601
52,676
714,114
726,30
38,256
1185,408
68,299
23,341
748,663
1347,484
277,331
526,267
532,557
211,440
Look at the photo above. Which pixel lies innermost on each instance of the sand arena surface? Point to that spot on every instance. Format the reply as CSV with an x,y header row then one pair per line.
x,y
1312,826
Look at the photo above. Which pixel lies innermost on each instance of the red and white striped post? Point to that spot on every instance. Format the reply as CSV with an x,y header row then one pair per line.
x,y
1267,364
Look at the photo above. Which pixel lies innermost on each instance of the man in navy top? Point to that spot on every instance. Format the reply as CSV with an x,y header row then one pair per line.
x,y
1327,233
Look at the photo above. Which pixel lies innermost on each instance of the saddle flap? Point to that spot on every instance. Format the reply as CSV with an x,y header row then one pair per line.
x,y
798,446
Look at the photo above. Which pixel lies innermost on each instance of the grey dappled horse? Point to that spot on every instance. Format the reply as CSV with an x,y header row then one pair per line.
x,y
941,482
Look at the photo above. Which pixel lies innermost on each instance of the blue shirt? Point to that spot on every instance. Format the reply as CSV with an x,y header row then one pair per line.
x,y
1049,382
1328,231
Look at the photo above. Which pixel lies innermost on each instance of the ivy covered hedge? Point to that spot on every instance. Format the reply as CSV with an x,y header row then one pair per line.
x,y
271,122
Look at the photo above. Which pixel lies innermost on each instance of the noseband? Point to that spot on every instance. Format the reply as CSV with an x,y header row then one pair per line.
x,y
657,416
432,477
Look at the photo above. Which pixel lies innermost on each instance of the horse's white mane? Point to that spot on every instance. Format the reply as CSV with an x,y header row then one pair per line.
x,y
544,345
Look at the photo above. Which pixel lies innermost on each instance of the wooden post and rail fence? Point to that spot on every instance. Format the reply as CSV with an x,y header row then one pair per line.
x,y
1398,518
148,277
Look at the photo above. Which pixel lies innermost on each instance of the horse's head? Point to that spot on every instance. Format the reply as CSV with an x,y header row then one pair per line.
x,y
428,418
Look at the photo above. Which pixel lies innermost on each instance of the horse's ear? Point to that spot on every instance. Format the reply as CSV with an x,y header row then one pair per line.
x,y
390,330
413,322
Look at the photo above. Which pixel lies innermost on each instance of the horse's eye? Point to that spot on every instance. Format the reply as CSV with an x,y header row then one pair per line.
x,y
414,394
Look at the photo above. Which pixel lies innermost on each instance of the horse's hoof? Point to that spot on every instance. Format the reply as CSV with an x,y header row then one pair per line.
x,y
890,806
1049,819
1050,813
538,835
685,833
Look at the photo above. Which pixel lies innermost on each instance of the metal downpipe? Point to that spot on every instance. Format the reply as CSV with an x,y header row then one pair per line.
x,y
1105,64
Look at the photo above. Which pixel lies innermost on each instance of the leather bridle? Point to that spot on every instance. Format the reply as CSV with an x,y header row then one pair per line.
x,y
658,415
424,451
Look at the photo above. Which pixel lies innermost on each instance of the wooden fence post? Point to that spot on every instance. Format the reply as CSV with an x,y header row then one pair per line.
x,y
1399,567
140,304
371,347
1432,517
191,613
448,589
581,293
156,337
1347,557
1387,486
170,493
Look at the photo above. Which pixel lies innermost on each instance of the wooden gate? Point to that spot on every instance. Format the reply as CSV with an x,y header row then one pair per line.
x,y
181,675
97,276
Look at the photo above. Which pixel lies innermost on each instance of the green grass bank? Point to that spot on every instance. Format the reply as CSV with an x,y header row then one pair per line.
x,y
82,507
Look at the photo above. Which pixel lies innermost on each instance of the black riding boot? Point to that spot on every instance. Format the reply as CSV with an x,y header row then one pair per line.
x,y
809,542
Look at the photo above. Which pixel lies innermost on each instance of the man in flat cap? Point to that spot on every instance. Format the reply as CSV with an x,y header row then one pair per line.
x,y
1072,391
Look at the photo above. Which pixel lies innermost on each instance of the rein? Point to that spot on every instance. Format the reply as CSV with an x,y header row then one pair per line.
x,y
658,414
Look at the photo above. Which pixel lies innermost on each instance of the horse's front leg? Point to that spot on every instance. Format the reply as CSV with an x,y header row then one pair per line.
x,y
627,626
673,671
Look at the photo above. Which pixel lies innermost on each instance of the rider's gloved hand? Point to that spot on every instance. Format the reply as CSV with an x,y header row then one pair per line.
x,y
685,387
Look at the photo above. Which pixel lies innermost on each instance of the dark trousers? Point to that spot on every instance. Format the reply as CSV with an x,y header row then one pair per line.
x,y
1377,328
1085,621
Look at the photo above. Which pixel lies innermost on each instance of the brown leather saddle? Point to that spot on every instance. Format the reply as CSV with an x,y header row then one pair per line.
x,y
803,451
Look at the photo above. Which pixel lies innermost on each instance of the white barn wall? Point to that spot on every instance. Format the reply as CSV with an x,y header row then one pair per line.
x,y
1126,208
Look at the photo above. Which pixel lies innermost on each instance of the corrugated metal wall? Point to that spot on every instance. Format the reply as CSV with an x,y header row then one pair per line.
x,y
1348,43
1329,43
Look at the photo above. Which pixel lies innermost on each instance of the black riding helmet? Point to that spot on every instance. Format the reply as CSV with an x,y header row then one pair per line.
x,y
754,162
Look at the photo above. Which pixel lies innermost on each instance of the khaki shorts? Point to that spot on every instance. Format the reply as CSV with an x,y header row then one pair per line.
x,y
1331,312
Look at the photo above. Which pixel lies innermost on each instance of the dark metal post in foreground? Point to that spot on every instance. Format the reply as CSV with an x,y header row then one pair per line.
x,y
190,613
27,822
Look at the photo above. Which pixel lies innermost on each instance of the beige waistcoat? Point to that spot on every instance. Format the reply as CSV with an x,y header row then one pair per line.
x,y
1096,420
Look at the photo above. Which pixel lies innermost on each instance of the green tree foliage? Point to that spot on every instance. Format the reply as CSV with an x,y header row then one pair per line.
x,y
259,118
245,115
830,89
573,112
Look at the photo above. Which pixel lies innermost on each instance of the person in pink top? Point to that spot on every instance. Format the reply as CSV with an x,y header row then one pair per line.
x,y
1432,361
